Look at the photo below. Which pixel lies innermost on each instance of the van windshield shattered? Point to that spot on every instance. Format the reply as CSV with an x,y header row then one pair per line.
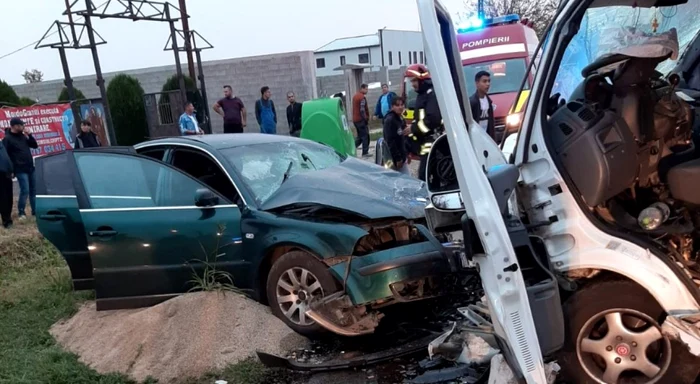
x,y
591,43
264,167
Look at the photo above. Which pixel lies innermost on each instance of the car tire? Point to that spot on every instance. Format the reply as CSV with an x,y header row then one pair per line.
x,y
586,313
284,292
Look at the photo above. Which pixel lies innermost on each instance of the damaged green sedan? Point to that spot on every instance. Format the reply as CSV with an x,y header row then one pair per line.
x,y
322,238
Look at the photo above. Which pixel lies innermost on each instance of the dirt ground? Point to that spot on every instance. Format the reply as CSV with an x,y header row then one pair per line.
x,y
187,336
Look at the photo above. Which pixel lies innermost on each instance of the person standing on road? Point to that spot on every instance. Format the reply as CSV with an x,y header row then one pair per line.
x,y
360,117
394,124
231,108
188,122
86,138
481,104
265,112
427,121
384,104
293,115
19,144
6,194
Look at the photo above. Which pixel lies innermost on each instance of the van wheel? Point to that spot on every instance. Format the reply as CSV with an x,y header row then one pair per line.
x,y
295,280
613,337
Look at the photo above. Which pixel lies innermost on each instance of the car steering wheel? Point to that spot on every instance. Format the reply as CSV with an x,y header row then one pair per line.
x,y
602,62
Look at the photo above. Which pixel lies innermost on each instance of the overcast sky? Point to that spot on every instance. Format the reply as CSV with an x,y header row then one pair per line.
x,y
236,28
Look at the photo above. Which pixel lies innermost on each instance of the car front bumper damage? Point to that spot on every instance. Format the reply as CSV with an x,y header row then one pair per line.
x,y
405,273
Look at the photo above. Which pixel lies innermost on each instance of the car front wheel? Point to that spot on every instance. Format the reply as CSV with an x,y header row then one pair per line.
x,y
295,280
613,336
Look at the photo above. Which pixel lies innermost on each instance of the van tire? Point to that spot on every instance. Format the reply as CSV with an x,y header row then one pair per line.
x,y
596,298
296,262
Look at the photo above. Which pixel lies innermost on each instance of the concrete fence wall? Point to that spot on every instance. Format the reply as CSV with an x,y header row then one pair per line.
x,y
283,72
329,85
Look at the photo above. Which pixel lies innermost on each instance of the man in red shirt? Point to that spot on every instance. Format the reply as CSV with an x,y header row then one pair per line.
x,y
360,117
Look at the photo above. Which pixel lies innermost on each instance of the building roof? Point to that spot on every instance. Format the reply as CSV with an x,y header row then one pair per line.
x,y
353,66
350,43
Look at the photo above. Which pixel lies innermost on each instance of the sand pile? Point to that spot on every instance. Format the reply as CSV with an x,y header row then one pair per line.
x,y
183,337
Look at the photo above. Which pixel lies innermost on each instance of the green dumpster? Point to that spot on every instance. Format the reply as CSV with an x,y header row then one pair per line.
x,y
324,121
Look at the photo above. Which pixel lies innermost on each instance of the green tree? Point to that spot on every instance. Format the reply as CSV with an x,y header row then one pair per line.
x,y
33,76
63,96
125,96
8,96
193,95
26,101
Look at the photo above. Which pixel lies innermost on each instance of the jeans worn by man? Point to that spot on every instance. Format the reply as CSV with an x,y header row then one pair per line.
x,y
19,144
27,189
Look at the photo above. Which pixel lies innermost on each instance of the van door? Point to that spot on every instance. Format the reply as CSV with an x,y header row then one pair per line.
x,y
499,268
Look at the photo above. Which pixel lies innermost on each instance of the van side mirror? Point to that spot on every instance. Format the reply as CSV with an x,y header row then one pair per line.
x,y
205,198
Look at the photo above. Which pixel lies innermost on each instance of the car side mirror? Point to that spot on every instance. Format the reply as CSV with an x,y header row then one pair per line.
x,y
448,201
205,198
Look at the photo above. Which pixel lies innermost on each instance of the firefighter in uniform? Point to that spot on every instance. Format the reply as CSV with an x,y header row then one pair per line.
x,y
427,120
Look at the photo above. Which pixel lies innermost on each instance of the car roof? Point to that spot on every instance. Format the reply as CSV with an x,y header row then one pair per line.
x,y
229,140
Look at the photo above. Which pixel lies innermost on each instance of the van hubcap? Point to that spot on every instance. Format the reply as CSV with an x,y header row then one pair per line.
x,y
296,289
623,346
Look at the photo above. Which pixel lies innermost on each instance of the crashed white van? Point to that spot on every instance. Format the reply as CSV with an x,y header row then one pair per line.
x,y
586,244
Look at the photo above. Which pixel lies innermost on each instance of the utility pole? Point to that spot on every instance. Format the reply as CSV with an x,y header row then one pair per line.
x,y
178,66
98,72
188,41
197,49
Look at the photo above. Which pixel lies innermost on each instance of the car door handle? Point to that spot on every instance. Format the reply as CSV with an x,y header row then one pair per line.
x,y
103,233
52,216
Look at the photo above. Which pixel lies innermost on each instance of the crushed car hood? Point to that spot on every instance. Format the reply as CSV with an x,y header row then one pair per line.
x,y
355,186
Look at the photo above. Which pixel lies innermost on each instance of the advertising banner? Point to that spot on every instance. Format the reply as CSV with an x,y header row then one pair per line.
x,y
51,126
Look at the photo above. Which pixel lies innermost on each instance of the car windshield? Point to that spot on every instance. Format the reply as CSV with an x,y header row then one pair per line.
x,y
506,75
263,166
592,40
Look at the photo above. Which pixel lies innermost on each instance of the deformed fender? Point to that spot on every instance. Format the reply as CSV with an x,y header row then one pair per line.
x,y
640,266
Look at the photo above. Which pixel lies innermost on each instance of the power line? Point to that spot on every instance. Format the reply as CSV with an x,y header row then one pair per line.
x,y
50,34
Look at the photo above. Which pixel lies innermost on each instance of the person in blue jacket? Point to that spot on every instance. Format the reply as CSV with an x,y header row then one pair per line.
x,y
384,103
265,112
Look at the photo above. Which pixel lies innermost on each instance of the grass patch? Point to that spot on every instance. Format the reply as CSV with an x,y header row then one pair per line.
x,y
36,292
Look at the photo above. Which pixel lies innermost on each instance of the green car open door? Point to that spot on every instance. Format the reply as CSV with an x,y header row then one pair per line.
x,y
148,228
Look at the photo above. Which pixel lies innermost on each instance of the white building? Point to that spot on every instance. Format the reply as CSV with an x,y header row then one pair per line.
x,y
390,48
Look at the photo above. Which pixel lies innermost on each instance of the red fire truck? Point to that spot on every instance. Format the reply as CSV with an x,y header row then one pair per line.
x,y
503,47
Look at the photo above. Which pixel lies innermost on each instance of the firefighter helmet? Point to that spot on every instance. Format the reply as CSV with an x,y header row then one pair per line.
x,y
417,71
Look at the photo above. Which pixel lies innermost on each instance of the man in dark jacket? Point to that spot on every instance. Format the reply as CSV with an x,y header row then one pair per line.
x,y
293,115
427,120
86,138
19,144
481,104
6,194
394,124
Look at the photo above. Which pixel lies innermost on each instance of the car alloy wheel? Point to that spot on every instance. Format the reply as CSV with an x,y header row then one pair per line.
x,y
296,288
623,345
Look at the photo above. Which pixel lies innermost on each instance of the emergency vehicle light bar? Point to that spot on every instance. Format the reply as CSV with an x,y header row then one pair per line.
x,y
476,23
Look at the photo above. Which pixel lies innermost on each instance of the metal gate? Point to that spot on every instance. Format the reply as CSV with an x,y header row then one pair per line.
x,y
163,110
